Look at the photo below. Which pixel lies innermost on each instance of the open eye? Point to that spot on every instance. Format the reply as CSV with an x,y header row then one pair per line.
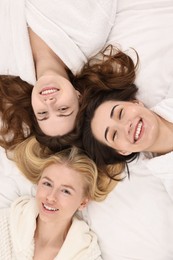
x,y
63,109
66,191
46,183
42,113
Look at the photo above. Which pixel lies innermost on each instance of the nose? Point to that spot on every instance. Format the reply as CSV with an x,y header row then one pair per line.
x,y
49,100
125,127
51,196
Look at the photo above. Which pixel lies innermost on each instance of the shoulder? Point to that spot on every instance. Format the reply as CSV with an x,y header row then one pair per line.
x,y
4,215
91,250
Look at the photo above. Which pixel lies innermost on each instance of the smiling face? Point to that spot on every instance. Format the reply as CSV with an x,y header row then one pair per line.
x,y
55,104
125,126
60,192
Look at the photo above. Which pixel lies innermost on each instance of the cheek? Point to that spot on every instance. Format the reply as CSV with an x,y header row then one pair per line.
x,y
71,98
40,193
34,102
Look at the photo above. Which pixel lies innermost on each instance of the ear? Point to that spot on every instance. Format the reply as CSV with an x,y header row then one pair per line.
x,y
124,153
78,94
83,204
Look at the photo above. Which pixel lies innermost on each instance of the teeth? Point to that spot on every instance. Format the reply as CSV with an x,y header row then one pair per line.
x,y
138,130
49,208
48,91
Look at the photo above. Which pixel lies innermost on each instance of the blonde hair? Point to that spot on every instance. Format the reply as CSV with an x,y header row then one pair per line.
x,y
32,159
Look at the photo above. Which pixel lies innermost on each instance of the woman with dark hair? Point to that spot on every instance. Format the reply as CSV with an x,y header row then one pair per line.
x,y
97,149
41,47
117,127
109,69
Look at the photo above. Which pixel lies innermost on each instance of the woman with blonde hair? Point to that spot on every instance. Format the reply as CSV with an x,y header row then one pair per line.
x,y
48,226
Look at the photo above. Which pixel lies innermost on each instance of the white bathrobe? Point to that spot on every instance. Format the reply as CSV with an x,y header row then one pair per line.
x,y
17,228
75,30
162,166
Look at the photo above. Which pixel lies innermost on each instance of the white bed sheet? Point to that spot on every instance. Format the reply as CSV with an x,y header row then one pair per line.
x,y
135,222
136,219
147,26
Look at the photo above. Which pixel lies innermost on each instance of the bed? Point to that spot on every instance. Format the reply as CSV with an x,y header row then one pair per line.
x,y
135,222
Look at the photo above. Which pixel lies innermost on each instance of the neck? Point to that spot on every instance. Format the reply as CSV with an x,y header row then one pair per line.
x,y
51,234
46,61
49,64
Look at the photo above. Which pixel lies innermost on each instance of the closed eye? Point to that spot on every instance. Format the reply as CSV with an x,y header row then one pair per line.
x,y
120,113
114,135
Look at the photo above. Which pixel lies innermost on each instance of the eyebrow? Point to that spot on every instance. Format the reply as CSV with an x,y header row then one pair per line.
x,y
61,115
47,178
64,185
111,115
69,187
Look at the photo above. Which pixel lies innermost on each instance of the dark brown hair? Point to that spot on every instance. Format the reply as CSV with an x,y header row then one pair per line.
x,y
110,69
17,117
114,81
102,154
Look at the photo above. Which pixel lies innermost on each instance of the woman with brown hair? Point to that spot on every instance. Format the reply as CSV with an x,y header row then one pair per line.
x,y
42,47
109,69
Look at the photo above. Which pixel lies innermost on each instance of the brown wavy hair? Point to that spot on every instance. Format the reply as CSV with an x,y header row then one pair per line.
x,y
118,84
15,110
110,69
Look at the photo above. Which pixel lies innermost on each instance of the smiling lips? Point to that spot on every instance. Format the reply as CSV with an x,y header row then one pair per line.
x,y
138,131
49,208
48,91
